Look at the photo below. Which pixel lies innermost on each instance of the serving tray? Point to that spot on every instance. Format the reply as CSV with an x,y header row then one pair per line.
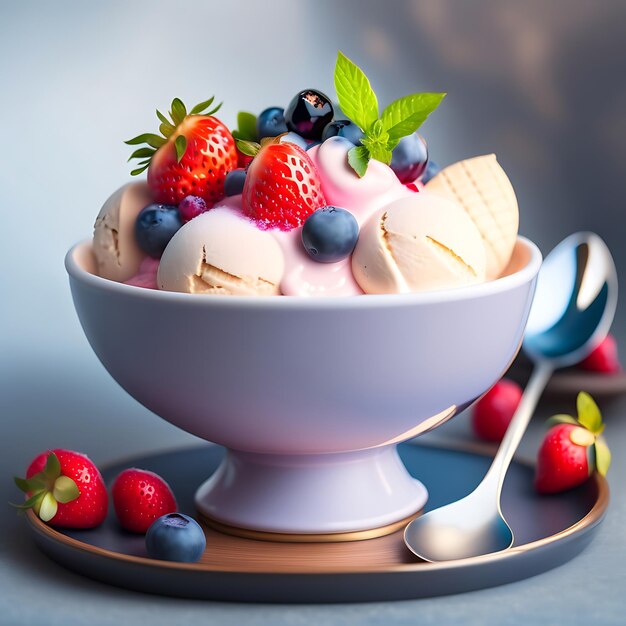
x,y
548,530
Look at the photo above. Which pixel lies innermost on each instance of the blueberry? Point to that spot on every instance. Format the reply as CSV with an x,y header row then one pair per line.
x,y
175,537
308,114
294,138
271,123
330,234
432,169
156,224
409,158
233,185
190,207
343,128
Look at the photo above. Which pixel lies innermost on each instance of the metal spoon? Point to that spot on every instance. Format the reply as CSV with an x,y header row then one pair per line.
x,y
571,313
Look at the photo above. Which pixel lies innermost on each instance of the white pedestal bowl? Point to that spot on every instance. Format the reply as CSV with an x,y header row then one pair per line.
x,y
309,396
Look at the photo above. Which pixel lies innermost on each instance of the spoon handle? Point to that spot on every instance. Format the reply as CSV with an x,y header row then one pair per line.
x,y
536,384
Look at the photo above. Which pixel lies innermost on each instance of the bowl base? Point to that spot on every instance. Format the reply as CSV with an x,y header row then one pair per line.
x,y
357,535
310,498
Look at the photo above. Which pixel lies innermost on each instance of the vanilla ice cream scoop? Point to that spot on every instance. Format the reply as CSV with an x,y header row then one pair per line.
x,y
118,256
220,252
484,190
423,242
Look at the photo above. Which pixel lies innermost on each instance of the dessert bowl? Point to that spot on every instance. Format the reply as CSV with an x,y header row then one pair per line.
x,y
309,395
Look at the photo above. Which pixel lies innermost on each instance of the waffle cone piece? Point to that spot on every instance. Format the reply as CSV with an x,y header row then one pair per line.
x,y
483,189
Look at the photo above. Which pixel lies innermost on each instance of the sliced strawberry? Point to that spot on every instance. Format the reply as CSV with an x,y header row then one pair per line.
x,y
139,498
192,157
572,449
65,489
282,186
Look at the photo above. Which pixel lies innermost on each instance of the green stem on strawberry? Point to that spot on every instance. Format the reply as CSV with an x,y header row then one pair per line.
x,y
168,128
589,430
360,104
47,489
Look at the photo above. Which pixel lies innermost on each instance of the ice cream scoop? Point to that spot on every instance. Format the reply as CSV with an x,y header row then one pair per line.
x,y
221,252
483,189
418,243
118,256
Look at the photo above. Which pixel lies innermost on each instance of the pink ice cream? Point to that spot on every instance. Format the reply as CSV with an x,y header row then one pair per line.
x,y
146,276
343,188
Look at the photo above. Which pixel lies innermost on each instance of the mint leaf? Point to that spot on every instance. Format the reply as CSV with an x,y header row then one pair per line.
x,y
377,148
410,111
358,158
356,96
589,414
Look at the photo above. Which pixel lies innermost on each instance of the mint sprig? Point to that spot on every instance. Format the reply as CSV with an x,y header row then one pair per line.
x,y
360,104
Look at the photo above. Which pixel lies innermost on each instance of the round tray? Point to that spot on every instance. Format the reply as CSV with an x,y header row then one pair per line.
x,y
548,531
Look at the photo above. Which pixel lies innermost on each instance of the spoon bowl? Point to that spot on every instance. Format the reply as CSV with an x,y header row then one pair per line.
x,y
572,311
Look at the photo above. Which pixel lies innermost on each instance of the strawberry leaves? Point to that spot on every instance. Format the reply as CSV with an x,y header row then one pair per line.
x,y
359,103
590,430
47,489
246,127
168,127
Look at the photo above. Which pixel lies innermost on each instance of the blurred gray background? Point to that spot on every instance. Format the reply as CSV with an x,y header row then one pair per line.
x,y
543,85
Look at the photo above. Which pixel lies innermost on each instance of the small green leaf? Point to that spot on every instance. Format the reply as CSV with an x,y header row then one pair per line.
x,y
65,490
589,414
139,170
246,126
181,145
249,148
52,470
150,138
202,106
162,117
356,96
48,507
561,418
603,456
405,115
29,485
214,110
142,153
166,129
178,112
32,502
358,158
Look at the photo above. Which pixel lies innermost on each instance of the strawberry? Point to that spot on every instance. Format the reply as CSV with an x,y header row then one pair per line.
x,y
572,449
139,498
604,358
282,186
192,157
493,412
65,489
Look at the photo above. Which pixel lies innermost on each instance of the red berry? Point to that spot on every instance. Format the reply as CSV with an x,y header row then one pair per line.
x,y
562,462
139,498
190,207
282,187
604,358
192,157
493,412
89,508
209,156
